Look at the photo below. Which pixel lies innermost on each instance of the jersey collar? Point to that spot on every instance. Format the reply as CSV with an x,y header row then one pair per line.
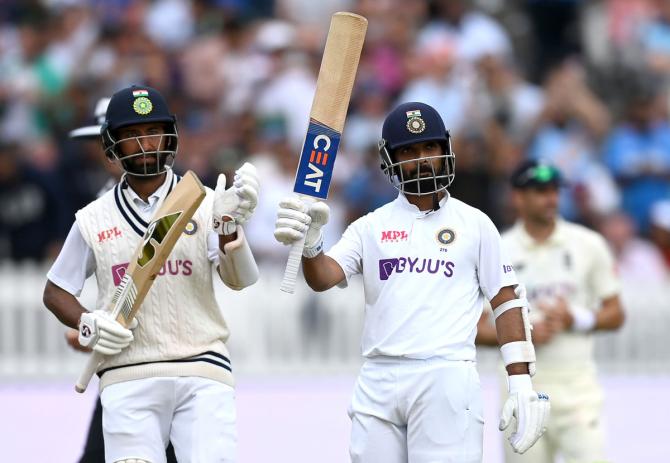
x,y
127,201
402,202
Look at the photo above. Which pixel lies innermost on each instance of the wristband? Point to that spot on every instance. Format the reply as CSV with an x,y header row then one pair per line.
x,y
583,320
516,383
315,249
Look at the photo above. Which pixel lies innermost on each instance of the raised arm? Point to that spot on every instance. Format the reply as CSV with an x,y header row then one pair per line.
x,y
296,218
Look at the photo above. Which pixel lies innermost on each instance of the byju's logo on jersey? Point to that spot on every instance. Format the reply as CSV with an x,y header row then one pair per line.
x,y
394,236
388,267
170,267
118,271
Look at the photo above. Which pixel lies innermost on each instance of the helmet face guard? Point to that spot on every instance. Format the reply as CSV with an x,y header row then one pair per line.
x,y
426,179
164,155
133,106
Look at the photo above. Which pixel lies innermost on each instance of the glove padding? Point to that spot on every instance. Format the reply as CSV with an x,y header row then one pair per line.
x,y
531,410
295,217
100,332
237,202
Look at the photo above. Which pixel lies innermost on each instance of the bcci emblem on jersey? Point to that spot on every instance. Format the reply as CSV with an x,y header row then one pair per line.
x,y
445,236
191,227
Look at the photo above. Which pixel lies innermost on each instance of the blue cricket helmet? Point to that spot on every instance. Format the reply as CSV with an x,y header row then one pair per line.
x,y
140,105
410,123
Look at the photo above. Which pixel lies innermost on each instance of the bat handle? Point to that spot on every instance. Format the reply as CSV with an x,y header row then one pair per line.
x,y
292,266
88,372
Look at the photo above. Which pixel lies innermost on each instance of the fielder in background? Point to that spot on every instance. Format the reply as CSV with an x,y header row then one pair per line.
x,y
94,449
169,376
428,261
568,271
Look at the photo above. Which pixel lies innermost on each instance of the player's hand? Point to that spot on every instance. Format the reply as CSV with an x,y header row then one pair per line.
x,y
235,205
72,339
296,217
530,410
100,332
542,332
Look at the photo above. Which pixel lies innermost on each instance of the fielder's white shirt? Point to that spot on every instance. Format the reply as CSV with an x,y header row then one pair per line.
x,y
425,277
574,263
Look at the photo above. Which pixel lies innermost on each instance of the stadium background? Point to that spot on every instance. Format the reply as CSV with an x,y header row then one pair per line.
x,y
581,83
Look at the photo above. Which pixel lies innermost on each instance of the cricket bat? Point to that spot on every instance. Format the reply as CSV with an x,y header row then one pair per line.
x,y
160,238
326,119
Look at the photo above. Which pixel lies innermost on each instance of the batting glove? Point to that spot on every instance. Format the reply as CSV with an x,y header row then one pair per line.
x,y
100,332
235,205
531,410
296,217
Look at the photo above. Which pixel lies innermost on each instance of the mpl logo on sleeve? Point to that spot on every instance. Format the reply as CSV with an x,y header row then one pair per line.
x,y
316,161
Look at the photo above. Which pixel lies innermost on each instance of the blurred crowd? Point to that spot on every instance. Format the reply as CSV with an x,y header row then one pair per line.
x,y
583,84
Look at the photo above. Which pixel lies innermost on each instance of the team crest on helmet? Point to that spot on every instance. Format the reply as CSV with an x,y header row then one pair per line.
x,y
143,105
445,236
191,227
415,123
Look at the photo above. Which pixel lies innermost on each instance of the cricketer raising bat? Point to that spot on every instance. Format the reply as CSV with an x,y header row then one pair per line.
x,y
160,238
326,119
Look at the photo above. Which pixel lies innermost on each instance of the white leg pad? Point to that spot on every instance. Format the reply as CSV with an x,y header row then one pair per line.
x,y
132,460
237,266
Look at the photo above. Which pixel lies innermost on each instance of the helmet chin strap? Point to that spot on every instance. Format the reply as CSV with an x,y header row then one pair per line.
x,y
436,202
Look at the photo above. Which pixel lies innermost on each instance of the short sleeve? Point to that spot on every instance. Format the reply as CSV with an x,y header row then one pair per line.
x,y
604,280
348,251
494,268
74,264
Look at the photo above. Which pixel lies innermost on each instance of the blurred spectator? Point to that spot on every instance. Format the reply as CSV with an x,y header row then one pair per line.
x,y
473,33
637,259
289,90
660,228
436,81
655,38
366,190
361,129
32,221
569,130
555,37
504,96
638,152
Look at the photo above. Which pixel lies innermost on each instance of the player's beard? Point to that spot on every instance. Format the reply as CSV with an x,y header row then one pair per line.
x,y
420,180
146,164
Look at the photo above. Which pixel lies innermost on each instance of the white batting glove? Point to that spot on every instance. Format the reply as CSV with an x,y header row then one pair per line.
x,y
100,332
235,205
531,410
296,217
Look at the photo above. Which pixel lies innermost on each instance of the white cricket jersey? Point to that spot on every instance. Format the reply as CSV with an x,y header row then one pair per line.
x,y
181,329
574,263
425,277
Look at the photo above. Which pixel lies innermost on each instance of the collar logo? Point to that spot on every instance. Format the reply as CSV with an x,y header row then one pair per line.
x,y
415,124
445,236
142,105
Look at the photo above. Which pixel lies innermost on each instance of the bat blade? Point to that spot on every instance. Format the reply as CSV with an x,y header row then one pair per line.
x,y
329,110
160,238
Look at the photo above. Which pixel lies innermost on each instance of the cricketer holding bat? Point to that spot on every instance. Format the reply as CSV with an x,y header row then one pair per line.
x,y
428,261
169,376
572,285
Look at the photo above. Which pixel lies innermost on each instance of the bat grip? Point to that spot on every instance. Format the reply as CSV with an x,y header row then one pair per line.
x,y
88,372
293,265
